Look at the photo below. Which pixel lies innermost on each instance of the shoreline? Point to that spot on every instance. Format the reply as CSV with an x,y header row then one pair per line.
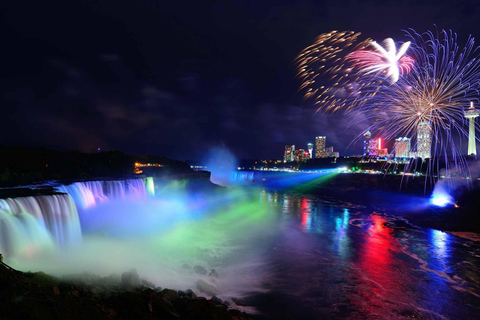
x,y
36,295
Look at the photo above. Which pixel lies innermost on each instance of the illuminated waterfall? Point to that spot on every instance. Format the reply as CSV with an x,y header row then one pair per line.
x,y
90,193
243,176
150,186
28,224
85,194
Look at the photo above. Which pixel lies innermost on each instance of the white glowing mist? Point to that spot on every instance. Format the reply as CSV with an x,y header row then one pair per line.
x,y
222,231
440,196
222,164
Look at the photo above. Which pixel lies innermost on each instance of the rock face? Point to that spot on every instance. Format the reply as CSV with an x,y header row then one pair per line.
x,y
130,279
40,296
213,274
207,288
200,270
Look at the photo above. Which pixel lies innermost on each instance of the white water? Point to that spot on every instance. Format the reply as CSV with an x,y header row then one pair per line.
x,y
30,225
122,227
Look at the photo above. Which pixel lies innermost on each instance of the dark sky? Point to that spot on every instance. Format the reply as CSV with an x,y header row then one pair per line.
x,y
175,78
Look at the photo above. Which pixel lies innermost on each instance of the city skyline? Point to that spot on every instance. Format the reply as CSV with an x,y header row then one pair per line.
x,y
151,78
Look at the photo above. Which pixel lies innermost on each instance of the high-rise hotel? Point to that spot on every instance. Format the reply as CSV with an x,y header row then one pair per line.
x,y
402,147
320,151
424,140
310,149
288,155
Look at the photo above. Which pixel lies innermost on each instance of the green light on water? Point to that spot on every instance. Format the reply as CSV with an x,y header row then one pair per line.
x,y
310,185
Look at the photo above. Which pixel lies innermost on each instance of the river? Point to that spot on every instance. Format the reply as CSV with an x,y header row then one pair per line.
x,y
338,260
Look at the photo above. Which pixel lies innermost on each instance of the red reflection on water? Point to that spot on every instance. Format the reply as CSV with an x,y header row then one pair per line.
x,y
380,277
305,212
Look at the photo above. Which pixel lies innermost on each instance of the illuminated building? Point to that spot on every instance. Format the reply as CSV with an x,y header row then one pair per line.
x,y
139,165
471,114
288,154
320,147
330,153
424,140
402,147
299,155
371,146
310,149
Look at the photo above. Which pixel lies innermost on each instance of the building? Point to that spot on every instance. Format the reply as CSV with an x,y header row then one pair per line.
x,y
299,155
331,153
471,114
373,147
370,146
402,147
320,147
310,149
288,154
424,140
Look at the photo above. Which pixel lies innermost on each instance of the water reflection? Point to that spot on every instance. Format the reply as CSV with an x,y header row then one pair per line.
x,y
440,241
337,263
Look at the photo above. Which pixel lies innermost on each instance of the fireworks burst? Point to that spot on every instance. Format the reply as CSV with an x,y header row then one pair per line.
x,y
437,91
342,71
384,58
326,75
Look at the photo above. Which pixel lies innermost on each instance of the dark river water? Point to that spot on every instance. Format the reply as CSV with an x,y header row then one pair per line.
x,y
334,260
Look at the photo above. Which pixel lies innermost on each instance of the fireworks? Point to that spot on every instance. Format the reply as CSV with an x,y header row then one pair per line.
x,y
443,81
340,70
384,58
326,75
426,94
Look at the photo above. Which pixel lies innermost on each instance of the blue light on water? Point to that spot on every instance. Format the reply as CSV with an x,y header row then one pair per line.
x,y
441,198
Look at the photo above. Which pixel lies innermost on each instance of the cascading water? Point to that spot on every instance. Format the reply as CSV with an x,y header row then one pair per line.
x,y
31,224
85,194
90,193
243,176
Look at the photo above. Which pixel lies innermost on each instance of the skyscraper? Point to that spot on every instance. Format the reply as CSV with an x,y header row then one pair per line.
x,y
320,147
402,147
367,139
471,114
424,140
288,154
299,155
310,149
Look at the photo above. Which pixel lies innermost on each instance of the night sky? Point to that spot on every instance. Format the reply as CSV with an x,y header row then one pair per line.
x,y
176,78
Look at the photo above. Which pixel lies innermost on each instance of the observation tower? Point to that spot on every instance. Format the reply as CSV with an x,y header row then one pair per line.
x,y
471,114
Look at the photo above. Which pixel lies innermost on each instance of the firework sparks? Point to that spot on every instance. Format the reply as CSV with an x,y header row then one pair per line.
x,y
440,86
342,71
384,58
326,75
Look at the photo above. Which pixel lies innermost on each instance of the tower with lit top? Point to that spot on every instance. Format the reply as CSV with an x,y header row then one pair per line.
x,y
471,114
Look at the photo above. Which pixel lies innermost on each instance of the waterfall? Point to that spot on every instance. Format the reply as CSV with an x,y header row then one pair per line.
x,y
31,224
28,224
150,186
243,176
90,193
85,194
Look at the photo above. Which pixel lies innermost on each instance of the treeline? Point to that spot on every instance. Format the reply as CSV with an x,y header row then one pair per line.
x,y
22,165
